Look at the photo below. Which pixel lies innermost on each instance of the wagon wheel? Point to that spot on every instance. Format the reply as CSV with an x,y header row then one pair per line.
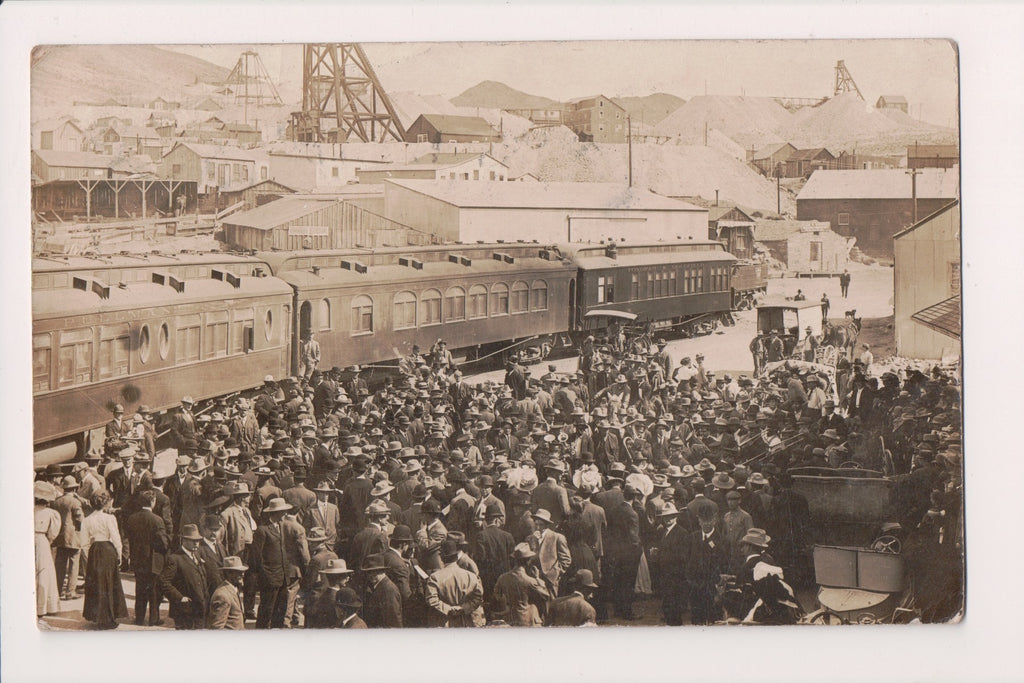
x,y
850,464
887,544
826,617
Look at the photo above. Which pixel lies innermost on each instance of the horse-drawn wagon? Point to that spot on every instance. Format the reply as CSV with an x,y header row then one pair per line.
x,y
803,331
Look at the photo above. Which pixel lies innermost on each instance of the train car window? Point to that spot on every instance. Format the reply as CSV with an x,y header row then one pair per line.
x,y
539,291
605,289
431,305
164,343
362,315
477,302
455,304
268,325
186,340
42,359
651,293
324,313
700,280
672,283
215,340
144,344
499,299
405,311
520,302
241,320
634,286
41,281
115,345
75,361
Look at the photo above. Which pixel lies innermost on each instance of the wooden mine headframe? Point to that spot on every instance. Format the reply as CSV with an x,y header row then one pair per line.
x,y
343,98
844,81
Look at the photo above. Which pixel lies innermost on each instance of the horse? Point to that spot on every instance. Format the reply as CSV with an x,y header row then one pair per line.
x,y
841,337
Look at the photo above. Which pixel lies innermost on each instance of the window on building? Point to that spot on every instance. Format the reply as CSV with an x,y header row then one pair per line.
x,y
605,289
211,171
334,171
405,310
465,176
634,286
844,219
954,278
241,320
422,137
215,338
492,175
476,175
245,173
324,314
42,355
430,304
451,176
236,172
75,361
499,299
186,340
539,294
455,304
175,170
477,302
520,297
263,172
600,114
815,251
362,315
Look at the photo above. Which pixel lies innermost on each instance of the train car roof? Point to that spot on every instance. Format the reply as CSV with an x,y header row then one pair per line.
x,y
593,256
285,260
74,301
61,262
432,270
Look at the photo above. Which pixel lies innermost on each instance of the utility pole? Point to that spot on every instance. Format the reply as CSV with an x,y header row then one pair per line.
x,y
629,147
778,188
913,173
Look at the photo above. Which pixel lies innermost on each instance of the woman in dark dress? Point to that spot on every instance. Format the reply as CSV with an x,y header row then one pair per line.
x,y
101,542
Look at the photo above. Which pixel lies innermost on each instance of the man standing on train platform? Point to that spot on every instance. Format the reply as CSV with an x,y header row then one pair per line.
x,y
117,428
245,428
146,431
266,403
310,356
183,423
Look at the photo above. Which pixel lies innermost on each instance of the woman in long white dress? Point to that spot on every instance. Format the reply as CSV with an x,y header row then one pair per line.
x,y
101,543
47,527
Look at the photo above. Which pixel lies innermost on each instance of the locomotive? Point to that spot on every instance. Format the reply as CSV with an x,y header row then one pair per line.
x,y
150,328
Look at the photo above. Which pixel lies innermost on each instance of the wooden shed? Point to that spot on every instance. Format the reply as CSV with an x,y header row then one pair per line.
x,y
438,128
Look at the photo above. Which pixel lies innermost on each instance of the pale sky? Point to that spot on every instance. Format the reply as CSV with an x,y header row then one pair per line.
x,y
923,71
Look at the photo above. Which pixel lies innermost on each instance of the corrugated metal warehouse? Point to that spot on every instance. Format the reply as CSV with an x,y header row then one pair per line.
x,y
546,212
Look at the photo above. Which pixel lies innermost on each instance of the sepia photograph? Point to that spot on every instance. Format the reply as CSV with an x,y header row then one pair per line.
x,y
427,335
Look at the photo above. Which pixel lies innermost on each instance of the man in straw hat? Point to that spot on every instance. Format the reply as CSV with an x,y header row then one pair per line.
x,y
574,609
668,558
270,560
322,609
184,582
552,549
226,611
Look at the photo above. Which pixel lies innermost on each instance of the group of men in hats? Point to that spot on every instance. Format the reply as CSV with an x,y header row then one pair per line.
x,y
430,501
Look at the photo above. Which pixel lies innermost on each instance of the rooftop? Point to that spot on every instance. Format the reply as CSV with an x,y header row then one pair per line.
x,y
943,317
459,125
921,151
777,231
52,157
219,151
562,195
932,183
808,154
278,212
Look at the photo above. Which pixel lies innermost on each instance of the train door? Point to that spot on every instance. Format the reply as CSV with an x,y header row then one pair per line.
x,y
305,319
572,305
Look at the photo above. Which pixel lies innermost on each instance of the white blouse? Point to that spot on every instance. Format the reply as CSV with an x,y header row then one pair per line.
x,y
100,526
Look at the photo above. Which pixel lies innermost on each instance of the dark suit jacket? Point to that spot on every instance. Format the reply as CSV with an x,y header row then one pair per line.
x,y
268,557
623,538
354,499
572,610
707,560
382,605
400,573
673,551
147,542
492,552
369,541
121,486
212,561
553,498
183,578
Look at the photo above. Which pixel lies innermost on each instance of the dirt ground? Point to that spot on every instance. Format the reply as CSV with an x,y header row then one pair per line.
x,y
880,333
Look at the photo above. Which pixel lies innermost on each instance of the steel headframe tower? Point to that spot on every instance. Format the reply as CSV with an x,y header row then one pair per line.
x,y
251,83
844,81
342,97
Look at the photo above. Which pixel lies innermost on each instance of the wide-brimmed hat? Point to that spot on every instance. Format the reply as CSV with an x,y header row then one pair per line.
x,y
324,486
542,514
336,566
198,465
236,488
523,552
44,490
316,535
705,465
381,487
668,510
378,507
347,597
758,537
585,579
722,480
277,505
190,532
233,563
373,563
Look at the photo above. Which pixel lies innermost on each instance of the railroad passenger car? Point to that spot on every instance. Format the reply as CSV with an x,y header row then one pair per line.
x,y
748,280
96,344
368,306
677,286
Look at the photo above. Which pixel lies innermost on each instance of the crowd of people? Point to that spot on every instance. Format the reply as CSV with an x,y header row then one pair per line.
x,y
550,500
